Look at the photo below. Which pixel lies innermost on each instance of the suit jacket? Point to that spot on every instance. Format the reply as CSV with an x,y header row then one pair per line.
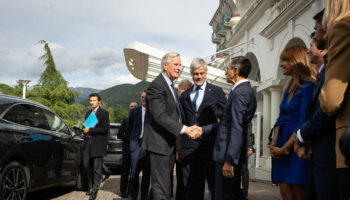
x,y
99,134
122,132
162,122
207,117
135,127
335,94
231,140
319,128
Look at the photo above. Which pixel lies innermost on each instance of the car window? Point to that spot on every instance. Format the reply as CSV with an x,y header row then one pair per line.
x,y
27,115
114,130
55,123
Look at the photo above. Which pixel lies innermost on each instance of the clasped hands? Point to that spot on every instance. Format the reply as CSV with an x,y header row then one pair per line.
x,y
302,150
193,132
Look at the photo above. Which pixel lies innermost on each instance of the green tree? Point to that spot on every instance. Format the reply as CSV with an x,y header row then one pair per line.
x,y
17,90
120,113
52,90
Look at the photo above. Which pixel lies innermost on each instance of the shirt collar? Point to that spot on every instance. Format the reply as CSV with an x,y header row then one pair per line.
x,y
167,79
95,110
239,82
202,87
320,69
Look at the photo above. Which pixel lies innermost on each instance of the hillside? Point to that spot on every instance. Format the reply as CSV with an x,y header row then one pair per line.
x,y
85,92
122,94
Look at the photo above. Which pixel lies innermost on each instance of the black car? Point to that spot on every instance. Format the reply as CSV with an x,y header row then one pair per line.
x,y
37,149
113,159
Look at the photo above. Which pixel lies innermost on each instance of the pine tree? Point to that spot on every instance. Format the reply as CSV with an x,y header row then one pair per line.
x,y
52,90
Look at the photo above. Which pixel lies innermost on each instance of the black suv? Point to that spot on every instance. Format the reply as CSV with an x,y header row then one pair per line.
x,y
37,149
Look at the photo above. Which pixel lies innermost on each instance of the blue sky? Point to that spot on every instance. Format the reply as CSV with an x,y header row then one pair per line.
x,y
87,37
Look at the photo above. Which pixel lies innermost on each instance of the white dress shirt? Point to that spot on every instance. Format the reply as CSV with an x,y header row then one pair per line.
x,y
200,94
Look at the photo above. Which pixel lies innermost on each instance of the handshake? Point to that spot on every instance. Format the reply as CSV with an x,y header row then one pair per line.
x,y
193,132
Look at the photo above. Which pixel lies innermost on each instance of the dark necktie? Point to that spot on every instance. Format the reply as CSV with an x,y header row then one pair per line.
x,y
194,101
177,102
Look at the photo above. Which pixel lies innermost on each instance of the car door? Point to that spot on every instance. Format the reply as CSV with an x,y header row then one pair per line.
x,y
68,149
35,141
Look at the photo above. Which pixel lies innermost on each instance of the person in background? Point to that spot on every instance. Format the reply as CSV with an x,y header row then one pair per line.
x,y
139,158
95,145
289,171
335,93
200,104
230,148
123,135
318,131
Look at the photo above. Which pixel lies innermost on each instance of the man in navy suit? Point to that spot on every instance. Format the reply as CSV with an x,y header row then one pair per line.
x,y
139,158
163,124
125,136
230,147
95,145
201,104
318,132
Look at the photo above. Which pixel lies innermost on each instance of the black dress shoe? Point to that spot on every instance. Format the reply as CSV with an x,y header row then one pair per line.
x,y
88,193
108,174
92,197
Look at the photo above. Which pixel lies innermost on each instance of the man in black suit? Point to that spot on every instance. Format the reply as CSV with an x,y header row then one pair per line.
x,y
230,147
139,158
163,124
123,135
95,145
318,132
201,104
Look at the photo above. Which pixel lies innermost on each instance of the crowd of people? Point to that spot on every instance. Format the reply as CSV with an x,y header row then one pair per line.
x,y
208,136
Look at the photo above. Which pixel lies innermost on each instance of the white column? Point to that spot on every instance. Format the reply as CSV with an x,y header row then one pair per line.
x,y
266,121
275,103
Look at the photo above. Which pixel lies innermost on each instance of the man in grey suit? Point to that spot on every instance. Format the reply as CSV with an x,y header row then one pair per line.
x,y
163,124
230,146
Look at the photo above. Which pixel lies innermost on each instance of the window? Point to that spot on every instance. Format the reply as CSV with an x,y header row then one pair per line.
x,y
56,124
27,115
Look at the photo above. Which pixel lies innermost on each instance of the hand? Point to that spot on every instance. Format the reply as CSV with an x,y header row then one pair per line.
x,y
193,131
275,152
303,151
116,138
86,130
249,152
178,154
228,170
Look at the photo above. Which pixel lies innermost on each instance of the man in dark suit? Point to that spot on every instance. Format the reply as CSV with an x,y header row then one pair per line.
x,y
95,145
318,131
201,104
123,135
230,147
163,124
139,158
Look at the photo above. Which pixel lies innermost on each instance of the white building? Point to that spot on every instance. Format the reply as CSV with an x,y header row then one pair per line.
x,y
261,31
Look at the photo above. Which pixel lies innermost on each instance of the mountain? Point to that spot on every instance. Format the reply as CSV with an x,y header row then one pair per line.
x,y
85,92
121,94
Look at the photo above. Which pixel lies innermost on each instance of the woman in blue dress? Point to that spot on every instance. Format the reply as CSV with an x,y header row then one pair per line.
x,y
289,171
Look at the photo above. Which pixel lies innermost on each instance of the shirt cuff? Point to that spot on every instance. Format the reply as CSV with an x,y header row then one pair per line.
x,y
183,130
299,137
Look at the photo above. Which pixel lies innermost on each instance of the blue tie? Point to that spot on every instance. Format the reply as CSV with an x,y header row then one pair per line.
x,y
177,102
194,101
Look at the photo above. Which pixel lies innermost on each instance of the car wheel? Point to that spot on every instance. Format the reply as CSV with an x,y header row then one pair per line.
x,y
82,181
13,182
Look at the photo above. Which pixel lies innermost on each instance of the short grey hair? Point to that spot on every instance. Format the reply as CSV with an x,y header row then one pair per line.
x,y
196,63
166,58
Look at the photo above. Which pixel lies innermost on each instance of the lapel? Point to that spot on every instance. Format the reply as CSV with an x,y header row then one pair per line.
x,y
139,120
188,98
317,88
206,96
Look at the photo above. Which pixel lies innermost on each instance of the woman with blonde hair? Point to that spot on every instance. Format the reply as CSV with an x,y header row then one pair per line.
x,y
335,94
289,171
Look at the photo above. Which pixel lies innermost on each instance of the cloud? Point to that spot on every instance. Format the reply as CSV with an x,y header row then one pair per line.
x,y
87,37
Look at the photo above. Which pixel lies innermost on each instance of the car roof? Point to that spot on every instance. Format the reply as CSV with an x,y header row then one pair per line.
x,y
5,100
